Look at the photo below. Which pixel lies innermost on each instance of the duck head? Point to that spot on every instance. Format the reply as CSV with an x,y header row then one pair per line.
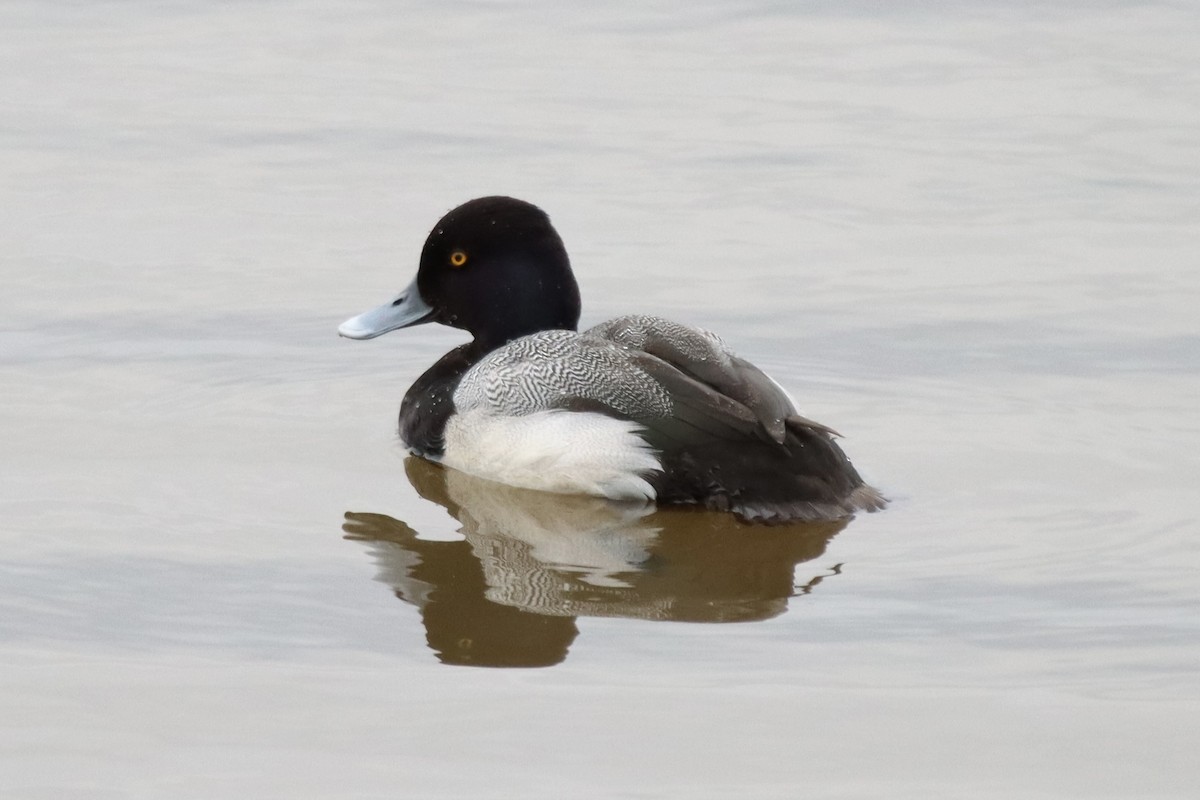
x,y
495,267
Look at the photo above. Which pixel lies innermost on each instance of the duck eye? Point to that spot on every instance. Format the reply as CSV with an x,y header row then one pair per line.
x,y
458,258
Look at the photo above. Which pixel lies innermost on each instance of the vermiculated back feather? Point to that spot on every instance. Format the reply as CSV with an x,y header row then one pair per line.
x,y
559,369
704,356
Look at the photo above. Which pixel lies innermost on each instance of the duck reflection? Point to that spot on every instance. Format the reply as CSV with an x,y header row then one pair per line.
x,y
531,563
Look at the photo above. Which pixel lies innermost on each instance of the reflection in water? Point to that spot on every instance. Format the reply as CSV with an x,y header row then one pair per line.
x,y
532,562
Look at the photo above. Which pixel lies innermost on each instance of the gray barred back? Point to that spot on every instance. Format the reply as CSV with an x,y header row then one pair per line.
x,y
705,357
561,369
670,341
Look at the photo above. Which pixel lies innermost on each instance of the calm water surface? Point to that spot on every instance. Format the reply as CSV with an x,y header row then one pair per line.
x,y
965,237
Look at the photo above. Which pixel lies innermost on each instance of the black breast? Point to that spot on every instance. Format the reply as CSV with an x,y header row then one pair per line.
x,y
429,402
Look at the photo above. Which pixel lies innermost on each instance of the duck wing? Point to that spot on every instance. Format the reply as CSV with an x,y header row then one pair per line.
x,y
734,438
704,356
716,451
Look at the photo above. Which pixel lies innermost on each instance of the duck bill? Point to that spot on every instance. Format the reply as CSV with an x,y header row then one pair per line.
x,y
405,310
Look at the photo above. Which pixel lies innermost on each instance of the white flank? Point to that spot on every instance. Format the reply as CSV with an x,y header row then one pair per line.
x,y
568,452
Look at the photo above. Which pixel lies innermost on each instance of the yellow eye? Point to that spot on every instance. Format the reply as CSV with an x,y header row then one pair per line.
x,y
458,258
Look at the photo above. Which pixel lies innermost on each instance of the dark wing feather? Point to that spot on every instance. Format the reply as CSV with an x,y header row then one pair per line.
x,y
715,451
733,440
705,357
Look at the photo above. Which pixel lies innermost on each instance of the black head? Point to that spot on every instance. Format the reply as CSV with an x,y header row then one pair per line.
x,y
494,266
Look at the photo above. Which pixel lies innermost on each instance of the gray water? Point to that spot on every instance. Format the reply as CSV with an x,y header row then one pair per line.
x,y
964,235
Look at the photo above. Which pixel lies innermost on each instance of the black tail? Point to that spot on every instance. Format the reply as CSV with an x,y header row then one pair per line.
x,y
806,477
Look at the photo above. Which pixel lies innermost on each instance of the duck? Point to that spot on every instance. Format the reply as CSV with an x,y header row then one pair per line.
x,y
636,409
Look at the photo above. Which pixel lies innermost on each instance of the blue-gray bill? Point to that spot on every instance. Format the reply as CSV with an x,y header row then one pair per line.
x,y
404,310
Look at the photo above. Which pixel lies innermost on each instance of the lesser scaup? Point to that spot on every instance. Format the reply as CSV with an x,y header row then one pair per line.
x,y
636,408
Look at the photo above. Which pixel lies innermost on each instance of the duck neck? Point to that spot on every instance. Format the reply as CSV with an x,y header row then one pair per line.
x,y
487,341
527,300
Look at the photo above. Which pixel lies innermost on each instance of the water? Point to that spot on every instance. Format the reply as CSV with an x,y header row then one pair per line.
x,y
965,237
